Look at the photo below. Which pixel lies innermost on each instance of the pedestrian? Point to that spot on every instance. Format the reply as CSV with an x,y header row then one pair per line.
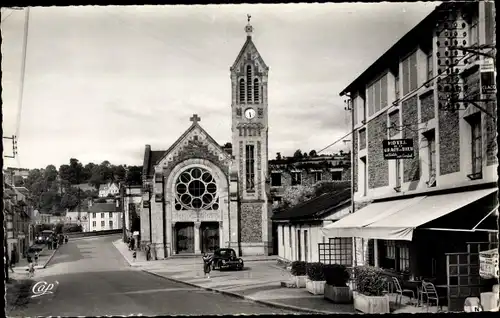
x,y
11,265
134,256
148,252
49,243
36,258
66,239
207,264
31,270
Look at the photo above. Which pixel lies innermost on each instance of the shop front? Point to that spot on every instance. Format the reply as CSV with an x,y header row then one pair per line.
x,y
436,238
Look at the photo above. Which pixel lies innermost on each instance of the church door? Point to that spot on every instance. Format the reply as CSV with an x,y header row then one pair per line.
x,y
185,238
209,237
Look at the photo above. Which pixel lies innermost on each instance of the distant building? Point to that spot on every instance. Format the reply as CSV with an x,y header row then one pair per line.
x,y
132,200
85,187
105,216
108,189
79,216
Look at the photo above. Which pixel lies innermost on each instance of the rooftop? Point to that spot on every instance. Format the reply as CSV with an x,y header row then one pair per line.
x,y
104,207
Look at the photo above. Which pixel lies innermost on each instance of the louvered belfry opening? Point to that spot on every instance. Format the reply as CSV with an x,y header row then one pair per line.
x,y
256,93
242,91
249,84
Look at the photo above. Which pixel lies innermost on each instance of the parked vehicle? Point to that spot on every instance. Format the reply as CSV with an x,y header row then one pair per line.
x,y
226,258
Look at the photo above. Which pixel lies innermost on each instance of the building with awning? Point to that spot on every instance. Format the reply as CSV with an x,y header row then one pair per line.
x,y
424,182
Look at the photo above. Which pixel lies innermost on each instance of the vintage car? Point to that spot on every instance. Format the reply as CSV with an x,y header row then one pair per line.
x,y
226,258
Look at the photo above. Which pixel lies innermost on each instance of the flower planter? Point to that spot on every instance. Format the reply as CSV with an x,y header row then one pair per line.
x,y
315,287
300,281
371,304
338,295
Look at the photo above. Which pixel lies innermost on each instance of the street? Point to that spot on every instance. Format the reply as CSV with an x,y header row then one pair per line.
x,y
94,279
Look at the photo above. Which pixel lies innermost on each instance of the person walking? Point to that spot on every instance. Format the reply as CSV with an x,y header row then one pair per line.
x,y
207,265
66,239
31,270
36,258
134,256
148,252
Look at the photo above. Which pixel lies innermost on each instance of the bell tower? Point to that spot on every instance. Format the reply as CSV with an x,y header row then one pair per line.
x,y
249,111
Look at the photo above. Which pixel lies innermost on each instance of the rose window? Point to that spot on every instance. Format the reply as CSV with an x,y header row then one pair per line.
x,y
196,189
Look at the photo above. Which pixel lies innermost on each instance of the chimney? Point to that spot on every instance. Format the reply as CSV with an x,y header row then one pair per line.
x,y
117,203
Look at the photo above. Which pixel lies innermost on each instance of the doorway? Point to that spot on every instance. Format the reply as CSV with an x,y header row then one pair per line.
x,y
184,237
209,236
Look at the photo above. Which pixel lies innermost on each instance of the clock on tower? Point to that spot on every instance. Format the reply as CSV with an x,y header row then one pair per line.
x,y
249,111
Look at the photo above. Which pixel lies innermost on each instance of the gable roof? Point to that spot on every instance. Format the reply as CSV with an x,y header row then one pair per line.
x,y
248,43
316,208
193,126
104,207
151,157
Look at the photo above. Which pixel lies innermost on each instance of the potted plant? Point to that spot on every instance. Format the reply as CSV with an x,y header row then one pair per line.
x,y
315,282
336,289
298,272
370,295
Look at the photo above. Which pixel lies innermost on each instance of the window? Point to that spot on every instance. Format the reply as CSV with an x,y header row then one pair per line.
x,y
476,146
110,214
396,86
110,225
377,96
290,236
275,179
94,223
102,215
256,91
242,91
283,235
336,175
431,150
410,74
102,224
299,247
296,178
318,176
474,32
94,215
341,251
404,258
306,247
249,84
390,250
430,66
195,188
250,173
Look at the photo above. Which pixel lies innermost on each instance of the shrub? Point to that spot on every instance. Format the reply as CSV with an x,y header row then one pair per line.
x,y
336,275
298,268
315,271
370,280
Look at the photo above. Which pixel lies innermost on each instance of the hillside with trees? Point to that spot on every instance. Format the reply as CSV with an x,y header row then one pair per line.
x,y
55,190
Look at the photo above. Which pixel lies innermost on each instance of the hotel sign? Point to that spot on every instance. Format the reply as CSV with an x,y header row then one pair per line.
x,y
398,149
488,81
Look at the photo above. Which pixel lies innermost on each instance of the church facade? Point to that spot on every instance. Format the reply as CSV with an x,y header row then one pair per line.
x,y
197,196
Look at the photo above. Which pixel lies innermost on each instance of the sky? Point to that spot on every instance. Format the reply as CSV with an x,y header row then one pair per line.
x,y
102,82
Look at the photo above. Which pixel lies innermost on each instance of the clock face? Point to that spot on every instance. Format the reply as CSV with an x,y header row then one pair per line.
x,y
249,113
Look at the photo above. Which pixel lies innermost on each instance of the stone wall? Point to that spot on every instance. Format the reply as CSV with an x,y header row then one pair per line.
x,y
362,139
427,107
378,167
409,112
251,222
394,123
449,142
491,135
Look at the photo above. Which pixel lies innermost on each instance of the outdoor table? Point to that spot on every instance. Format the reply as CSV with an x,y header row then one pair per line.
x,y
415,285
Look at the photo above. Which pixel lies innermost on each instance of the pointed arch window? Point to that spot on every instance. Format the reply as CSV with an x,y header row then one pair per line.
x,y
242,91
256,92
249,84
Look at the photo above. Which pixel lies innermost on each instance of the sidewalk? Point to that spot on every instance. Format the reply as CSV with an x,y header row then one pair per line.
x,y
260,282
44,257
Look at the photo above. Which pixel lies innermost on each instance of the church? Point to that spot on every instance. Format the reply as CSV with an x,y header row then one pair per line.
x,y
197,195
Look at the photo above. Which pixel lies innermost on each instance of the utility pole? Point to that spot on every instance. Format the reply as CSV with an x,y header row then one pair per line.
x,y
350,108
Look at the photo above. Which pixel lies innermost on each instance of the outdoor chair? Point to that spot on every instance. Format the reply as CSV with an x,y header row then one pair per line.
x,y
431,295
400,292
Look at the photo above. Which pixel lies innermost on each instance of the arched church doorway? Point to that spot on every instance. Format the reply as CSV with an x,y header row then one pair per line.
x,y
209,236
184,237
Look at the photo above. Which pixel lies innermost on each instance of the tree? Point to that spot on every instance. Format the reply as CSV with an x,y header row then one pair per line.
x,y
278,156
313,153
297,154
304,155
228,145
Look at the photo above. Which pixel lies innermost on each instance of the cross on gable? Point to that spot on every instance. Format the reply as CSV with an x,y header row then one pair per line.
x,y
195,118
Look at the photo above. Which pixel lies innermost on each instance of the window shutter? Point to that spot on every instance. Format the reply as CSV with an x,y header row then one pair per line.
x,y
413,72
406,76
376,103
383,95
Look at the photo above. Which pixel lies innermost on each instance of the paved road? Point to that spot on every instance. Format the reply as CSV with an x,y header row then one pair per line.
x,y
94,279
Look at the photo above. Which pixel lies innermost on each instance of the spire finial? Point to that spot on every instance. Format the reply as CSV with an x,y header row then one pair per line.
x,y
248,27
